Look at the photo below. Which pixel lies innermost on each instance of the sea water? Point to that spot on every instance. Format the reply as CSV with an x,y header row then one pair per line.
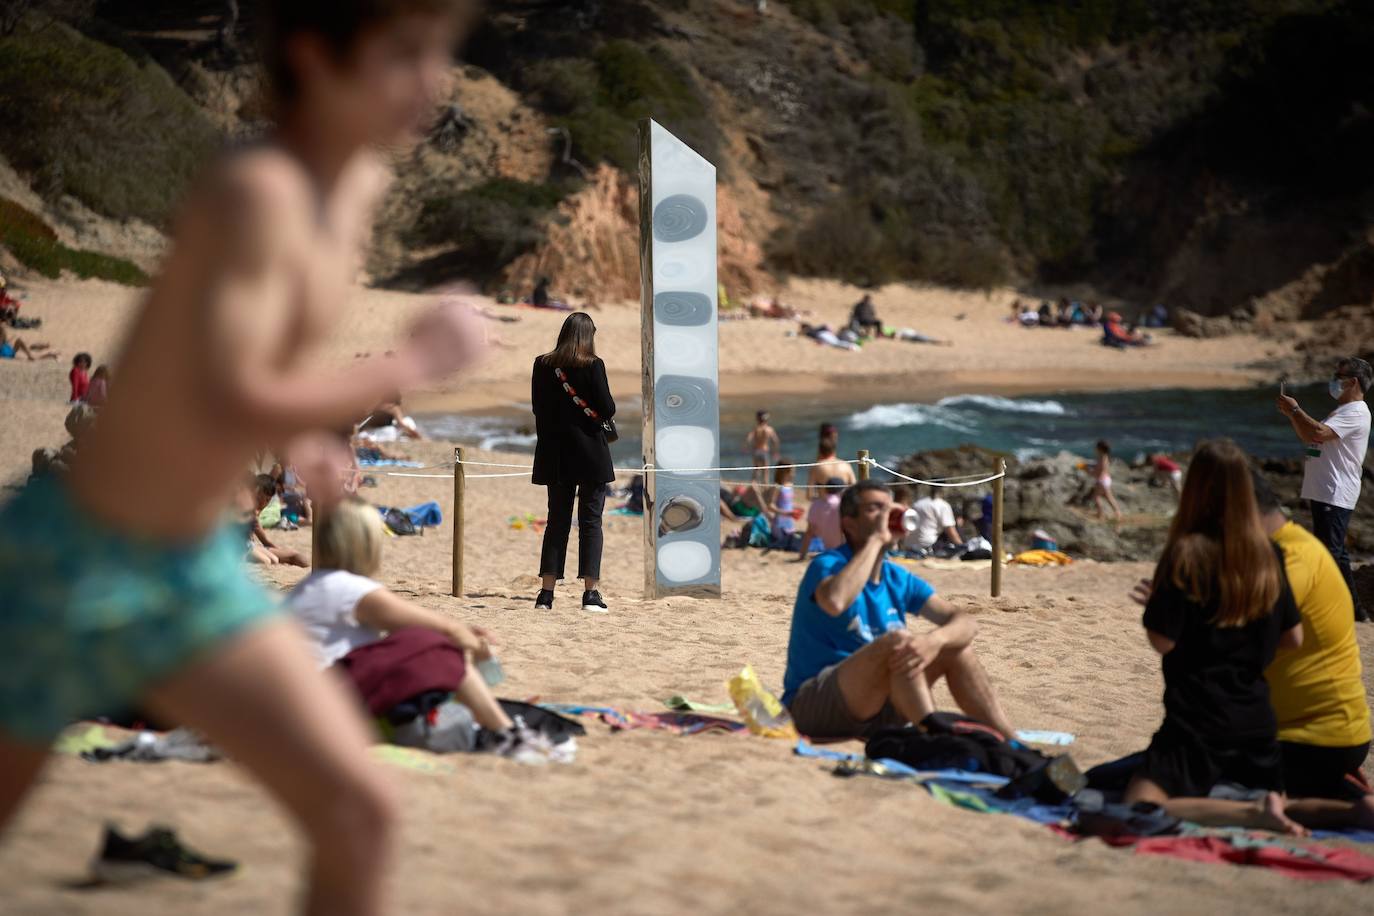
x,y
1135,422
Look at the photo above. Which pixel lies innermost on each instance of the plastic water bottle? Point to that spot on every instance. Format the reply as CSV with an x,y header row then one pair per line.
x,y
762,712
491,670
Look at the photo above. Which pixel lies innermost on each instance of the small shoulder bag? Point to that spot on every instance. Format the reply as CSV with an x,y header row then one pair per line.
x,y
607,426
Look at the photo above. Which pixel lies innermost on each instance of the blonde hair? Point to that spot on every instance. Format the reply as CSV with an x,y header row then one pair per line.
x,y
350,538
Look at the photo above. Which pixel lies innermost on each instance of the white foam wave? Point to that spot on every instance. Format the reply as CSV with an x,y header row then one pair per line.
x,y
890,416
1008,405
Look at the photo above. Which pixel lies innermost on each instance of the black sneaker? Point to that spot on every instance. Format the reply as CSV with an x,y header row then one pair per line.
x,y
157,853
591,601
544,601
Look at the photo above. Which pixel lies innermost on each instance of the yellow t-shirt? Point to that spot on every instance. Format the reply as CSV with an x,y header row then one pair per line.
x,y
1317,690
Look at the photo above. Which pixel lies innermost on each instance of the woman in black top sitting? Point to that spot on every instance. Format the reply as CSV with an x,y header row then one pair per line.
x,y
571,456
1219,610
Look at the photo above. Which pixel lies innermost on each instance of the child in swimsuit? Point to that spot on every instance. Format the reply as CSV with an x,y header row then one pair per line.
x,y
1102,485
123,587
781,505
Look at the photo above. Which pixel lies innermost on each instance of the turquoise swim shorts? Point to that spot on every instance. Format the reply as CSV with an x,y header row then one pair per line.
x,y
91,617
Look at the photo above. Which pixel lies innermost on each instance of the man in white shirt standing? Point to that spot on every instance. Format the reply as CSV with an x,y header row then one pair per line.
x,y
1335,460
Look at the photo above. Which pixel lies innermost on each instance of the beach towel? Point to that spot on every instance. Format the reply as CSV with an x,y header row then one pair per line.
x,y
1298,860
1056,739
371,462
425,515
1042,558
155,747
682,704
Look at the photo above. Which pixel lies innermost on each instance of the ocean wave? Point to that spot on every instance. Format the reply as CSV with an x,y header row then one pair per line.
x,y
890,416
490,433
1007,405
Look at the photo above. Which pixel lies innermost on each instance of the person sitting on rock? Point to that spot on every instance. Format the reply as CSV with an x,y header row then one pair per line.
x,y
853,667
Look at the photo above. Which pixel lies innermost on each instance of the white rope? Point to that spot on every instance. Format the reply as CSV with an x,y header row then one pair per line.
x,y
650,468
938,483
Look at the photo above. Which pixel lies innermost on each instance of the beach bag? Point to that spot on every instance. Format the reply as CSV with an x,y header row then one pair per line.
x,y
403,665
399,522
949,741
608,427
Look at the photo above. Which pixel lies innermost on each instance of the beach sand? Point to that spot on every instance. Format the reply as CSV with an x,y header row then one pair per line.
x,y
649,822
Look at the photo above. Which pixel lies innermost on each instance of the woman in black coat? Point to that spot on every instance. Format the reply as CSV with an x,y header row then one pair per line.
x,y
571,455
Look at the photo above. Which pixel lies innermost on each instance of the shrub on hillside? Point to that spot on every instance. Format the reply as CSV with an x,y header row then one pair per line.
x,y
490,224
36,246
84,119
599,100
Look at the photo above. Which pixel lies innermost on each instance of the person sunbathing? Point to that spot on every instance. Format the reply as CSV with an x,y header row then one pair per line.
x,y
342,608
12,345
823,333
853,667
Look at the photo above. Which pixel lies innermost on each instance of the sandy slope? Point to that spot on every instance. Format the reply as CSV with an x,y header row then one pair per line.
x,y
650,823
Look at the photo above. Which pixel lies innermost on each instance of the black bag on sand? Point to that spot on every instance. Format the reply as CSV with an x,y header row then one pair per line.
x,y
950,741
399,522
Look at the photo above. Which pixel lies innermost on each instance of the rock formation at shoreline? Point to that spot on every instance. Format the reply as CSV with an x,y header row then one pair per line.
x,y
1055,494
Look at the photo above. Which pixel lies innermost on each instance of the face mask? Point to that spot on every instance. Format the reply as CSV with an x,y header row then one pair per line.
x,y
1337,387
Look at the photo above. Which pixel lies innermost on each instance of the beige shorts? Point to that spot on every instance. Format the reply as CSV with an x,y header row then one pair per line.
x,y
819,711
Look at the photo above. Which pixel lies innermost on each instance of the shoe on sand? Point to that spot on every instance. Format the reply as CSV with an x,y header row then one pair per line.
x,y
591,601
544,601
158,853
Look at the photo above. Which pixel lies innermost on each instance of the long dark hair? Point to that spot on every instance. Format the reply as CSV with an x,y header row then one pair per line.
x,y
576,346
1216,540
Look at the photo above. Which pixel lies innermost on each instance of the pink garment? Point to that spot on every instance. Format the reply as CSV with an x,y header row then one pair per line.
x,y
98,391
823,521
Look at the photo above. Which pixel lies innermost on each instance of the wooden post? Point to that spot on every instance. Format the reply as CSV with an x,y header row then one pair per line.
x,y
997,528
459,485
863,464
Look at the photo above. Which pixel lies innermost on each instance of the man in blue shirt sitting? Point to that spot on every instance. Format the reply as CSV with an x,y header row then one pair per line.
x,y
852,665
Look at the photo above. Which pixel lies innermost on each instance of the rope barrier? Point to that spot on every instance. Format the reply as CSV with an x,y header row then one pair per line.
x,y
648,468
937,483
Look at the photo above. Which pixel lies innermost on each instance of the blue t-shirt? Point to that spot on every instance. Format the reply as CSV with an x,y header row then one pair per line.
x,y
819,640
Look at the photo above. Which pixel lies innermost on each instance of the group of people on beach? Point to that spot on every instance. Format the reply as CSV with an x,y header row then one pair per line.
x,y
1266,722
1067,313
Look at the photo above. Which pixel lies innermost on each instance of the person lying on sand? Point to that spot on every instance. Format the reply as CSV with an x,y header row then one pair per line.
x,y
342,608
912,335
11,346
388,422
823,333
1316,690
853,667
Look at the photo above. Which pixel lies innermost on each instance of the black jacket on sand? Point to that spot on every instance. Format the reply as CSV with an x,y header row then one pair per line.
x,y
571,447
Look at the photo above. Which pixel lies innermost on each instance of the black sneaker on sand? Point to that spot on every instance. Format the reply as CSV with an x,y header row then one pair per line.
x,y
591,601
544,601
157,853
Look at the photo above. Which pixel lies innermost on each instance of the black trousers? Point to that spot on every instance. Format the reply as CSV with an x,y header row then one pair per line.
x,y
1329,524
591,499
